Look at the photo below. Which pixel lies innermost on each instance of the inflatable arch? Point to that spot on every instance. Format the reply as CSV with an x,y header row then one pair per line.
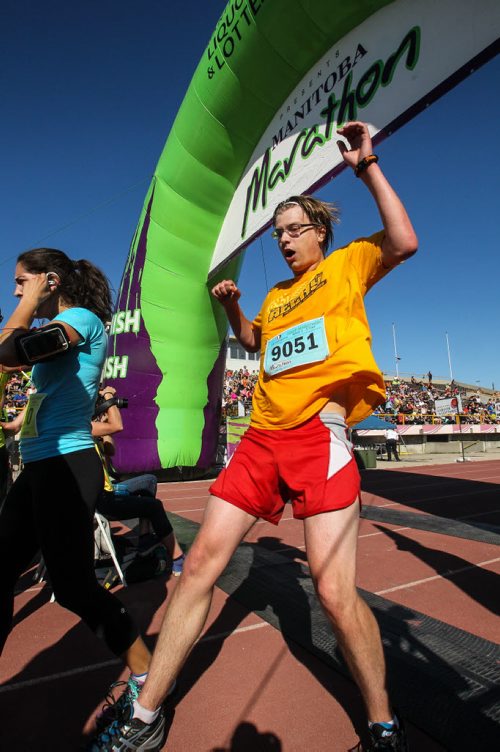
x,y
258,124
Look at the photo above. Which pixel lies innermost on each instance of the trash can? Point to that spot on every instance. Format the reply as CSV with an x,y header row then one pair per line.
x,y
366,457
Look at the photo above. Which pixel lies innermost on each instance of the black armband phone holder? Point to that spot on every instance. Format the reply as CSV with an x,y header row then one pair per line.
x,y
39,345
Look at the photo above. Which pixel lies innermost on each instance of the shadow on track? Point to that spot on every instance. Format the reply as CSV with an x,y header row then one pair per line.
x,y
454,498
64,683
436,680
479,584
247,738
253,589
438,684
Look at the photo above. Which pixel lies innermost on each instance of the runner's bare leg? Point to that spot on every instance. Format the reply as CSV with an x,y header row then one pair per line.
x,y
223,527
331,544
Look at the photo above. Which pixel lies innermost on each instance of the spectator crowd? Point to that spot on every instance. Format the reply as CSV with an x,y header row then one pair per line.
x,y
238,391
412,402
409,402
16,394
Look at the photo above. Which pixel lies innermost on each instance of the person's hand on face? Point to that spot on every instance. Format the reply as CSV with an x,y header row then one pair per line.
x,y
35,288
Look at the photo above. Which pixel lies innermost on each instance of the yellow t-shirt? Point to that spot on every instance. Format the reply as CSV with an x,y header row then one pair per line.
x,y
335,291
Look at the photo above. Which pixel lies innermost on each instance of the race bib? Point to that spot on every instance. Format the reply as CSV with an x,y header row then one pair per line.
x,y
297,346
29,429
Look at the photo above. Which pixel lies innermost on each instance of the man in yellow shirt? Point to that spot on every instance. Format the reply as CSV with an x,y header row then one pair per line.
x,y
317,375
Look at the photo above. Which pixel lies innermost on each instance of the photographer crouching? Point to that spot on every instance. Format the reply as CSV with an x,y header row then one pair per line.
x,y
135,497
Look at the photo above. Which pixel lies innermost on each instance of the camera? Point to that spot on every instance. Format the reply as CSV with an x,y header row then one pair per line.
x,y
102,405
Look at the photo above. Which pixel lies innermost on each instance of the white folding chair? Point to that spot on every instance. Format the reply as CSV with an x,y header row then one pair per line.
x,y
110,546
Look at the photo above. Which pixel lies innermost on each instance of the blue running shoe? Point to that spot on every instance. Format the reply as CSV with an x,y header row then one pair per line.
x,y
130,735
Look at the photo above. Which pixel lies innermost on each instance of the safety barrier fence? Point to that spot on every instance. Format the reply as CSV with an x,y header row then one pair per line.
x,y
421,419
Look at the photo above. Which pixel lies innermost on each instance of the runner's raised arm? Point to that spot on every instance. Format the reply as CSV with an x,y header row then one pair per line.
x,y
400,241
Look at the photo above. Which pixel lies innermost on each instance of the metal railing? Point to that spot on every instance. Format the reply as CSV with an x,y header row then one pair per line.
x,y
431,419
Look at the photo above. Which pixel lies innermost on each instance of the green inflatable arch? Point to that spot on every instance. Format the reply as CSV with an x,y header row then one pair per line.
x,y
167,349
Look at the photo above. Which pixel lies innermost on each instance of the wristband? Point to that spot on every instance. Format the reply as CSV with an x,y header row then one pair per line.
x,y
364,163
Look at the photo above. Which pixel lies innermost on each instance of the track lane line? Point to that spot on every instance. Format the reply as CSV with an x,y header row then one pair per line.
x,y
444,576
114,662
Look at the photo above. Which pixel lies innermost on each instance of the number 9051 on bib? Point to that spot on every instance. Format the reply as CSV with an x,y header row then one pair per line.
x,y
297,346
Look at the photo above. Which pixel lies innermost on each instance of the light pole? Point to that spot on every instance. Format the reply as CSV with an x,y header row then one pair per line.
x,y
396,356
449,356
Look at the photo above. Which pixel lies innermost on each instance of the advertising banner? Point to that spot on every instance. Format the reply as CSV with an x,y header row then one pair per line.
x,y
450,406
383,72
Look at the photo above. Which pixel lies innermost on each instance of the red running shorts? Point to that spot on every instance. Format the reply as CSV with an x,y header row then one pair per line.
x,y
312,466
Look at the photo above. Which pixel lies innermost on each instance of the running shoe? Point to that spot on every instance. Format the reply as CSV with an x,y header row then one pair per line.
x,y
130,735
178,565
118,707
385,740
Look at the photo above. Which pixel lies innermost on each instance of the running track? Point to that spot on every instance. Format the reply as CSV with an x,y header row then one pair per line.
x,y
265,675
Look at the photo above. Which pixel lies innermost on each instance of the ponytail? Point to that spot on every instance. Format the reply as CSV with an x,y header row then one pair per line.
x,y
94,290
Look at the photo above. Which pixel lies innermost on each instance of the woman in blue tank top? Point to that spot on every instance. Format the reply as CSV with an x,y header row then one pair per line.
x,y
51,505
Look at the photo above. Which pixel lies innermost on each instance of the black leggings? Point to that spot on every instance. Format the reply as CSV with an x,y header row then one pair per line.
x,y
51,507
4,473
124,507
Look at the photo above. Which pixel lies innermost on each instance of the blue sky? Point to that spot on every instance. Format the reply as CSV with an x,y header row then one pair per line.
x,y
89,94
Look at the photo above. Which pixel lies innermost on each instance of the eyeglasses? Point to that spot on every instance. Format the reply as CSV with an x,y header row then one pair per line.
x,y
294,231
